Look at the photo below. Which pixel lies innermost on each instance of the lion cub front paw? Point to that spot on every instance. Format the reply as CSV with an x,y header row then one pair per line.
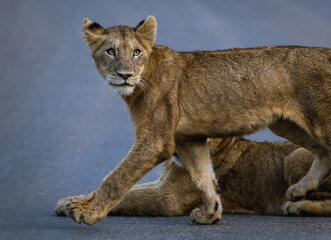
x,y
295,193
60,207
200,216
291,208
82,209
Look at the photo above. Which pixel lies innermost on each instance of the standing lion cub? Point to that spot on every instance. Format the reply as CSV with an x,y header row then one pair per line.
x,y
178,100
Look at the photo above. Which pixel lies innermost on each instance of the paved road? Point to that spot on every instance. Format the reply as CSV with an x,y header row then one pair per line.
x,y
62,129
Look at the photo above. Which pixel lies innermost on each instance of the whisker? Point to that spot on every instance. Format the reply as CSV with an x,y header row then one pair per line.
x,y
142,86
106,82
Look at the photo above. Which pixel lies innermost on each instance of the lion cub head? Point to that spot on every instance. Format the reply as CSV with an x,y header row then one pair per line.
x,y
120,52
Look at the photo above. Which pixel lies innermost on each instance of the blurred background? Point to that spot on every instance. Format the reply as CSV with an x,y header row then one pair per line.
x,y
62,129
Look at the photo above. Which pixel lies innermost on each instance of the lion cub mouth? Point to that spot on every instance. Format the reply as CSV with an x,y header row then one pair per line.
x,y
123,89
121,86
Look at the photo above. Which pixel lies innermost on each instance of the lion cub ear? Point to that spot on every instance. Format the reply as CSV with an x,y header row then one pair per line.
x,y
146,31
92,32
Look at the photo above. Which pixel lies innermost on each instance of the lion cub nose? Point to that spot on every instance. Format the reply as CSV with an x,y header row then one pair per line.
x,y
125,76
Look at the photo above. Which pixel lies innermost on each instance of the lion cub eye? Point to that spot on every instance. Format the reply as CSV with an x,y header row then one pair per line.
x,y
136,52
111,52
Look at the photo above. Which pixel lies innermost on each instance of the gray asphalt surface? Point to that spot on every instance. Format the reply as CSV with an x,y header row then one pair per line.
x,y
62,129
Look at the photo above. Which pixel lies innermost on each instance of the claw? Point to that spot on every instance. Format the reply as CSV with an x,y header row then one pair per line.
x,y
93,195
215,221
216,206
71,212
211,215
77,220
81,217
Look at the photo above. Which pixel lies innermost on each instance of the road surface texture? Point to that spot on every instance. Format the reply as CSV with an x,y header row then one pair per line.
x,y
62,129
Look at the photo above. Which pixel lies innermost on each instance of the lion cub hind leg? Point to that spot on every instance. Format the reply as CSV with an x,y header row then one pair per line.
x,y
308,207
321,166
195,157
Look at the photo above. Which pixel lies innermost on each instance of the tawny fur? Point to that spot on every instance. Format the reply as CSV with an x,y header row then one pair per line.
x,y
178,100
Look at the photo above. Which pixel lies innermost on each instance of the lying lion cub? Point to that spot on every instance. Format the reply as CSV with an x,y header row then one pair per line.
x,y
179,99
253,178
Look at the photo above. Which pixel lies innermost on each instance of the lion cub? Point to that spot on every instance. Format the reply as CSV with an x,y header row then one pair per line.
x,y
253,178
178,100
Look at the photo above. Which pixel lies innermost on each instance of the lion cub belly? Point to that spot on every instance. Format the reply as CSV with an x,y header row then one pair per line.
x,y
220,127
